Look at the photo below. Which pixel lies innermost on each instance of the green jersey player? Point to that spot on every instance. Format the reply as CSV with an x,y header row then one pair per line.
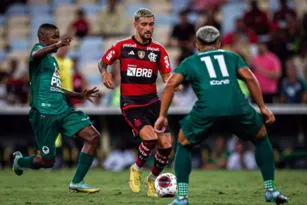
x,y
50,114
213,74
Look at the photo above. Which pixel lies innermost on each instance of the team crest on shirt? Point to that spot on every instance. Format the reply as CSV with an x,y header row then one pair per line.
x,y
137,122
152,57
141,54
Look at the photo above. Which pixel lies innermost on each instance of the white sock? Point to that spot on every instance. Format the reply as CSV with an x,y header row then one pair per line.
x,y
137,168
152,177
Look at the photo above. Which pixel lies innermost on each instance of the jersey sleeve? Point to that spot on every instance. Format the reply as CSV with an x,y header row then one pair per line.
x,y
182,69
35,48
112,54
164,64
241,63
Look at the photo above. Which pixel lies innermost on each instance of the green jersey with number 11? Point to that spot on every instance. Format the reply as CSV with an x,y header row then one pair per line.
x,y
46,95
214,79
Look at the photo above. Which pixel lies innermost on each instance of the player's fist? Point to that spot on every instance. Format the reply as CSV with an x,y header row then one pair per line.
x,y
268,115
65,41
107,80
161,125
179,88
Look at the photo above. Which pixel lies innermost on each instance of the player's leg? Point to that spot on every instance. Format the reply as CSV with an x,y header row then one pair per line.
x,y
163,152
193,131
265,160
183,168
142,127
45,130
164,147
251,127
78,123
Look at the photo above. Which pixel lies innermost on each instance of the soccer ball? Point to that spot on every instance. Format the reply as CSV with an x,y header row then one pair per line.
x,y
166,185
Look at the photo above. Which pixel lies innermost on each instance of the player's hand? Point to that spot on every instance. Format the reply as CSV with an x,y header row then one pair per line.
x,y
107,80
87,94
161,124
179,88
65,41
268,115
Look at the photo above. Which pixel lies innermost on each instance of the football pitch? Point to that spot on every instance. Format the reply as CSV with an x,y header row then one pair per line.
x,y
206,188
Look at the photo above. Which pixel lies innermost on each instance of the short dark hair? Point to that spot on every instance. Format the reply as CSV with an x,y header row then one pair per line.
x,y
45,27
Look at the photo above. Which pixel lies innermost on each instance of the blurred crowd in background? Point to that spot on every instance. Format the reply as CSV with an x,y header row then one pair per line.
x,y
271,36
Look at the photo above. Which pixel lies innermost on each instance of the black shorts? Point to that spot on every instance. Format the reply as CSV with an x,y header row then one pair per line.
x,y
138,117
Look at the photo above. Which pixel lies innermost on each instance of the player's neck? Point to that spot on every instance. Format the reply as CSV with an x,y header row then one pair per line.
x,y
208,48
139,40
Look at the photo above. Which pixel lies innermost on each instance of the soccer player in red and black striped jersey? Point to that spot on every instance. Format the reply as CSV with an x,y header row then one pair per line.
x,y
141,60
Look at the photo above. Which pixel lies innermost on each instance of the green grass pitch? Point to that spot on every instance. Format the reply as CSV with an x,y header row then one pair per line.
x,y
206,188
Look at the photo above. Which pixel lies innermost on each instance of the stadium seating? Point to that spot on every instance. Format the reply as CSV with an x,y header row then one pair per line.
x,y
18,27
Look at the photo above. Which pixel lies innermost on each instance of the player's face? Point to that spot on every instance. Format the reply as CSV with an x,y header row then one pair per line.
x,y
51,37
145,27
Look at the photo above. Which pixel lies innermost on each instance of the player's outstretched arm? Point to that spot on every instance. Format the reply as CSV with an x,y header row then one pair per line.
x,y
107,77
165,78
40,53
168,93
254,88
85,95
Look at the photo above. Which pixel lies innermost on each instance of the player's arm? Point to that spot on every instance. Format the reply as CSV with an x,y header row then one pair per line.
x,y
254,88
42,52
168,93
165,77
107,59
85,95
165,68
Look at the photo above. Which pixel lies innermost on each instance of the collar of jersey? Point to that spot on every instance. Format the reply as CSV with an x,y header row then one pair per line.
x,y
209,51
146,44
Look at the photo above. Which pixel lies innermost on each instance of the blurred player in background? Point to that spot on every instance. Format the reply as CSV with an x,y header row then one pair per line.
x,y
50,114
141,60
221,104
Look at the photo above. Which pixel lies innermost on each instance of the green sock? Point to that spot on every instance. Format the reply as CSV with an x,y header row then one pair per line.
x,y
27,162
265,160
183,167
84,164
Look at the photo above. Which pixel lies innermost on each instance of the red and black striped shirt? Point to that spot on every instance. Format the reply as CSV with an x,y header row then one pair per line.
x,y
139,64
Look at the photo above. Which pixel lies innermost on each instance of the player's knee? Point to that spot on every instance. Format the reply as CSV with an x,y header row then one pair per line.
x,y
147,133
165,141
93,138
183,141
261,134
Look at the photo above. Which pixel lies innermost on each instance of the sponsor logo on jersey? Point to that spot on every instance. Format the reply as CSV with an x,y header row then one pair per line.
x,y
152,57
166,61
141,54
131,53
153,49
219,82
56,83
110,55
139,72
129,45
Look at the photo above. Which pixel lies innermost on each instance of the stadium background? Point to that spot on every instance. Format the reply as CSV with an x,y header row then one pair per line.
x,y
95,27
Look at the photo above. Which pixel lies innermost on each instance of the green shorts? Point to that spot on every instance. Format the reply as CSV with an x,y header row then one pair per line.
x,y
245,126
47,127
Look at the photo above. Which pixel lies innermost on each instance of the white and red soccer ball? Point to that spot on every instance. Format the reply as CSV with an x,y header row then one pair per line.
x,y
166,185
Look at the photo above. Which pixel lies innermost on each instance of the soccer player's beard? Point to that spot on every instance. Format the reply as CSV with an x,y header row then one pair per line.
x,y
145,39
